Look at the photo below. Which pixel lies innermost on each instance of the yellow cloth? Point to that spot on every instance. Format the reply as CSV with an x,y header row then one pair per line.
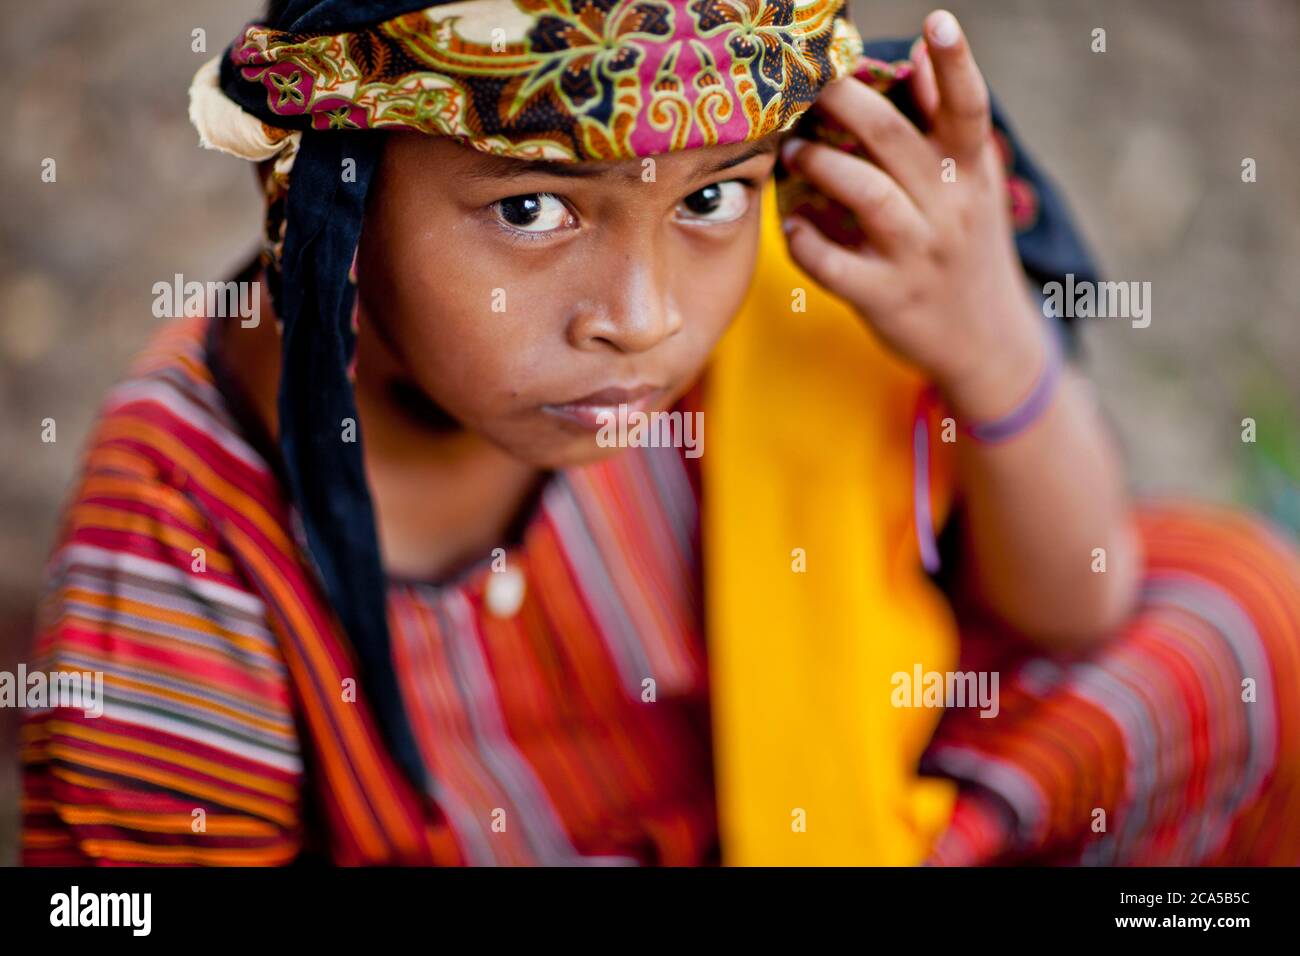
x,y
809,447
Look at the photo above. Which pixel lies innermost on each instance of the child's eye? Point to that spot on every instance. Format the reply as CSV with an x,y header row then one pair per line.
x,y
716,202
533,212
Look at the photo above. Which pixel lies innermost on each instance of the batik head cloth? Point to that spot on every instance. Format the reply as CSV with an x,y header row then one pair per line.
x,y
555,79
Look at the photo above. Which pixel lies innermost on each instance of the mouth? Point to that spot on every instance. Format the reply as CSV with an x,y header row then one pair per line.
x,y
591,412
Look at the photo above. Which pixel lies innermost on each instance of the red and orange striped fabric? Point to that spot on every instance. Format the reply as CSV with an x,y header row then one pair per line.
x,y
229,690
1178,744
228,687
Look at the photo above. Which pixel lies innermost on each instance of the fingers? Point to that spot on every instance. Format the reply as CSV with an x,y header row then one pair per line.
x,y
886,214
891,138
854,277
925,89
962,120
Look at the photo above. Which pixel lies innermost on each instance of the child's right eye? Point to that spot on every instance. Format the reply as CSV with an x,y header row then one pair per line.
x,y
532,212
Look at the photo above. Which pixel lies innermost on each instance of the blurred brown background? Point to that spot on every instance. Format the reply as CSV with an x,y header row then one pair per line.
x,y
1147,139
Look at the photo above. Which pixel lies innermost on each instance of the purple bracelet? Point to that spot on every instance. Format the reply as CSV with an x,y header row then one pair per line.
x,y
997,430
1029,410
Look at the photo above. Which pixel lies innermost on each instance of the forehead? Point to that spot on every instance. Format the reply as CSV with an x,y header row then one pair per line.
x,y
693,163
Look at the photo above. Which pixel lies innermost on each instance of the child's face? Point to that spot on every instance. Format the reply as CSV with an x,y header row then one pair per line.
x,y
513,292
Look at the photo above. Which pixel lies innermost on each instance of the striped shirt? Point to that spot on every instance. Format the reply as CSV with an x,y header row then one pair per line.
x,y
571,728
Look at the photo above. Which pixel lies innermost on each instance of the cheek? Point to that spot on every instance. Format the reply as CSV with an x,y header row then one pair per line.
x,y
711,284
470,359
457,333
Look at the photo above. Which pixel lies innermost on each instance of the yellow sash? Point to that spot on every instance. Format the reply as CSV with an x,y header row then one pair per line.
x,y
808,464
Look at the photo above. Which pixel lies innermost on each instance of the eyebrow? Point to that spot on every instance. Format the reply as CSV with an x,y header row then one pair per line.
x,y
500,168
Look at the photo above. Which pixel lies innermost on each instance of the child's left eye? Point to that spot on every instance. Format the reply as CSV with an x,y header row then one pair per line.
x,y
716,202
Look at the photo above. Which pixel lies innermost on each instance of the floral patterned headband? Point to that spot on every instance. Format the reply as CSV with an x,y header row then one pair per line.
x,y
566,80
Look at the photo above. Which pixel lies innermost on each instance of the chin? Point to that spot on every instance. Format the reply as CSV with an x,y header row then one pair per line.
x,y
563,451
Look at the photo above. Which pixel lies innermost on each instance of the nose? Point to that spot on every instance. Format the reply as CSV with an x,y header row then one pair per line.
x,y
633,311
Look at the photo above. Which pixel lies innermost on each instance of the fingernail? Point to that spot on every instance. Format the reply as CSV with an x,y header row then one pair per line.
x,y
790,149
944,29
787,225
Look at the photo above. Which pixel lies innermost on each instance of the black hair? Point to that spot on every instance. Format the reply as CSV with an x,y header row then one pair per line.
x,y
276,9
337,16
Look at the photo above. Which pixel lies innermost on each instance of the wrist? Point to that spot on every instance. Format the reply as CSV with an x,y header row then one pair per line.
x,y
1005,375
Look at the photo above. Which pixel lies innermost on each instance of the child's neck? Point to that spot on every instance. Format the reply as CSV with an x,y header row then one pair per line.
x,y
444,497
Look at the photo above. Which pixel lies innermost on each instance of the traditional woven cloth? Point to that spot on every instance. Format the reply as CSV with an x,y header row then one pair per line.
x,y
1176,745
222,688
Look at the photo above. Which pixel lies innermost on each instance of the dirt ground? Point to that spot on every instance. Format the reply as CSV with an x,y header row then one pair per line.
x,y
1147,138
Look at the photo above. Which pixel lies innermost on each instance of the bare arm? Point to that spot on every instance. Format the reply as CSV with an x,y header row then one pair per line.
x,y
1047,541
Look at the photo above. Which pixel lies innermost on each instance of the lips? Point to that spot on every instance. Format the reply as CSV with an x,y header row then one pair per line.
x,y
591,412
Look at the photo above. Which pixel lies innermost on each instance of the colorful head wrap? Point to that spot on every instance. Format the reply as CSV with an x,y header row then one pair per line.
x,y
550,79
568,80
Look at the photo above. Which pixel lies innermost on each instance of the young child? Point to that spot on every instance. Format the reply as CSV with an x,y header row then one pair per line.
x,y
367,582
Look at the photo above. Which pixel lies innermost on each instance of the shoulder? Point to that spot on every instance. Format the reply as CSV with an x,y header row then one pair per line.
x,y
186,750
141,523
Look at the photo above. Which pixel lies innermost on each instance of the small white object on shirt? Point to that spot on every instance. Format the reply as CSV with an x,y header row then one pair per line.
x,y
504,592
